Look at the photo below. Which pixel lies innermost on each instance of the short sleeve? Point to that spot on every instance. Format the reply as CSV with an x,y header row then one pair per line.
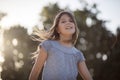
x,y
80,56
45,44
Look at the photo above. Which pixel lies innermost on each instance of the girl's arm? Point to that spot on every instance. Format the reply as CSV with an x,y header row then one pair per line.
x,y
84,71
42,56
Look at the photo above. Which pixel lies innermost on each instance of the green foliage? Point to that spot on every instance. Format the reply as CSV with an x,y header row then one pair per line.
x,y
48,14
110,69
17,49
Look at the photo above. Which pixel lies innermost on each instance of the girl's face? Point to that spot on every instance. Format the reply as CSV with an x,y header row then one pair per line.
x,y
66,25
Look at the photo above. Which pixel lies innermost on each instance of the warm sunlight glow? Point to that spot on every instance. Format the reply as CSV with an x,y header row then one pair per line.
x,y
1,49
1,46
15,42
1,58
104,57
98,55
89,22
1,40
19,64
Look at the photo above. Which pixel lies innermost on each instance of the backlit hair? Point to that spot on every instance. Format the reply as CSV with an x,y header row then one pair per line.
x,y
52,34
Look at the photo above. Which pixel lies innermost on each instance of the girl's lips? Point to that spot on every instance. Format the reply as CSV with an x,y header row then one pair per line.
x,y
69,27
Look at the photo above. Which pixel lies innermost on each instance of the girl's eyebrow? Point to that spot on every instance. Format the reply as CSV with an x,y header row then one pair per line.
x,y
62,19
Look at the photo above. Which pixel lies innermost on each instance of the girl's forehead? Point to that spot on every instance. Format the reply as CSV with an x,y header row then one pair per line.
x,y
64,16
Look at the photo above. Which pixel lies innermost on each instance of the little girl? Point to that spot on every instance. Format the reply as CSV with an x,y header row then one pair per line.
x,y
61,60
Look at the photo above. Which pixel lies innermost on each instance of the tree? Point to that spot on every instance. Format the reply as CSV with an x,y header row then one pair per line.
x,y
110,69
17,49
48,14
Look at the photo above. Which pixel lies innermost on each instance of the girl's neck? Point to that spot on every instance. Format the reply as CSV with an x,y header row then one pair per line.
x,y
66,40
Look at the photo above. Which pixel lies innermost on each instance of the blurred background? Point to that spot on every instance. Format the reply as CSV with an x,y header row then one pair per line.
x,y
98,22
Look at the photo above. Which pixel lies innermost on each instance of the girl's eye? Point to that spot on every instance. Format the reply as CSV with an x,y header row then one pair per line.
x,y
66,21
71,20
63,21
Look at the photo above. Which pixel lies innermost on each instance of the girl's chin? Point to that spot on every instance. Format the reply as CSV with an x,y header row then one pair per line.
x,y
70,33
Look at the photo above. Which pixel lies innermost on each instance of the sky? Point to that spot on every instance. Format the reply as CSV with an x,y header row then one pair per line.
x,y
26,12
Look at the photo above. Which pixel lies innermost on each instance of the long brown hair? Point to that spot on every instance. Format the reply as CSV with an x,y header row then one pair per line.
x,y
52,34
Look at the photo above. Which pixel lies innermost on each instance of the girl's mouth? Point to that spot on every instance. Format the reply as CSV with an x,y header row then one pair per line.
x,y
69,27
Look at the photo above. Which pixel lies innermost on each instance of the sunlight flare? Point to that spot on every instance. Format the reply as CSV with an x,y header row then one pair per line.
x,y
1,40
1,58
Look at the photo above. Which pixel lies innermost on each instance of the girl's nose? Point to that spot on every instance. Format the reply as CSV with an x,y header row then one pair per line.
x,y
68,22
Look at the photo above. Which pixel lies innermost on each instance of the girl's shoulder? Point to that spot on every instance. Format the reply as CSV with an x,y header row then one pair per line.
x,y
79,55
47,42
77,50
